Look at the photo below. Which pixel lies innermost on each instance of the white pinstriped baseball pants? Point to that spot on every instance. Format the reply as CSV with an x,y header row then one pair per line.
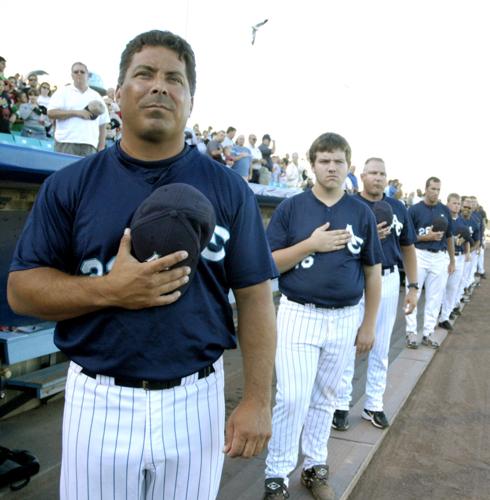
x,y
453,286
378,356
470,269
123,443
431,272
481,261
313,347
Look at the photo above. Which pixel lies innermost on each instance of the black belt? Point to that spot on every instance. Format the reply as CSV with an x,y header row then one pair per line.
x,y
433,251
318,306
151,385
388,270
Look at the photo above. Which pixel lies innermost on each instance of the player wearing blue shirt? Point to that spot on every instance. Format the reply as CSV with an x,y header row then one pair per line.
x,y
397,242
461,252
144,400
473,222
481,256
326,247
435,260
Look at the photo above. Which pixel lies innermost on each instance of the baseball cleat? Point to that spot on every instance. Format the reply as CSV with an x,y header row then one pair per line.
x,y
340,420
377,418
275,489
446,325
316,480
412,340
429,342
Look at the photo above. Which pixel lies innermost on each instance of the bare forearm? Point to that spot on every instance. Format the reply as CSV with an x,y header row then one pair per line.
x,y
410,262
102,136
372,296
64,114
257,337
287,258
50,294
450,248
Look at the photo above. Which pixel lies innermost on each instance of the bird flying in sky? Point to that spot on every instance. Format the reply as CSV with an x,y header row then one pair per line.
x,y
255,28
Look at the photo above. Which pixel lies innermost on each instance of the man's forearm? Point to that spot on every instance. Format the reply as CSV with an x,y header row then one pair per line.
x,y
257,337
450,248
102,136
410,262
64,114
52,295
372,296
287,258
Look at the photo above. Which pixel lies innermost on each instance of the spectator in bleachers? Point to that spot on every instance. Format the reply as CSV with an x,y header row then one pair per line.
x,y
292,172
43,101
229,161
256,158
3,65
78,131
113,128
230,134
34,117
32,83
215,146
111,94
242,157
267,151
7,116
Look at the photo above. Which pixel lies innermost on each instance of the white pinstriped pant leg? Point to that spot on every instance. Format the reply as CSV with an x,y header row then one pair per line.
x,y
302,363
474,266
423,267
335,354
469,274
378,356
452,287
481,261
344,391
435,285
466,274
123,443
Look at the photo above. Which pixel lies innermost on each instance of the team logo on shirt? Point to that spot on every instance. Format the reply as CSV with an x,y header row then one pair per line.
x,y
355,242
397,225
215,251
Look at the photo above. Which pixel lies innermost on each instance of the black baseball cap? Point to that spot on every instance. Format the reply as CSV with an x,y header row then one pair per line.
x,y
174,217
383,212
439,223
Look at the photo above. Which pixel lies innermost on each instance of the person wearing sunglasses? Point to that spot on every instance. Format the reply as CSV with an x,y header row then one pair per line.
x,y
78,131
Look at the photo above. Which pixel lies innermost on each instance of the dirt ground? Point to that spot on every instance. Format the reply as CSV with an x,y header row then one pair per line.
x,y
439,446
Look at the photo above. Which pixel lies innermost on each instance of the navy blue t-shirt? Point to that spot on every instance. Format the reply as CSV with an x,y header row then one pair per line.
x,y
330,279
473,224
423,216
459,243
481,225
76,225
402,231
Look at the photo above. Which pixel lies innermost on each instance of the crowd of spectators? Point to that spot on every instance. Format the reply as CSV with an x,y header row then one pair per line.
x,y
24,103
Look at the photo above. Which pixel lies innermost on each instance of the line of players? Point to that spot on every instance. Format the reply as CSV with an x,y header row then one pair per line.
x,y
339,259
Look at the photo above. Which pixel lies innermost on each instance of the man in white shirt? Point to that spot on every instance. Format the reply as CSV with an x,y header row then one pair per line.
x,y
256,158
292,172
79,131
228,140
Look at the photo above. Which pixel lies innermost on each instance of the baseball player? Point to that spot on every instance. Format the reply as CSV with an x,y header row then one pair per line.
x,y
397,239
144,411
326,247
461,253
473,223
435,260
481,258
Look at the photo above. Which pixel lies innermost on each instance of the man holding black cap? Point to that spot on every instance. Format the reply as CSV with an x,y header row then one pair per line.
x,y
397,237
144,412
435,260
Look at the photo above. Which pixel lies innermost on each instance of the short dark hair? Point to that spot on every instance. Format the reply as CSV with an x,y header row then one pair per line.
x,y
329,142
2,59
80,64
431,179
157,38
230,129
266,136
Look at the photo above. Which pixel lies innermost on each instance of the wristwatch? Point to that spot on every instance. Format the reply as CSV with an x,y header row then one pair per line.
x,y
413,285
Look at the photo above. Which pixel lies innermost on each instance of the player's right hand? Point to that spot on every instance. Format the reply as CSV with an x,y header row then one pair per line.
x,y
323,240
135,285
435,235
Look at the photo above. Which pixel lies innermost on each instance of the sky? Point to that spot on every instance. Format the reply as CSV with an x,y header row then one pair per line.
x,y
408,81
